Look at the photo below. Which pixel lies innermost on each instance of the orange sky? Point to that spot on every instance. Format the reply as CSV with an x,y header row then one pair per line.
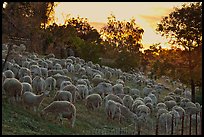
x,y
147,15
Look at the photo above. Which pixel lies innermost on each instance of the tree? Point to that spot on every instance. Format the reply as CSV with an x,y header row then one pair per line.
x,y
183,27
125,39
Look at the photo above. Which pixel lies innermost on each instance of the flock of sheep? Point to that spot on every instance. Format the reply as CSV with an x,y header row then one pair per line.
x,y
28,79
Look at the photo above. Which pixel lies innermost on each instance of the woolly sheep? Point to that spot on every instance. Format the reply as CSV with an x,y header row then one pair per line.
x,y
135,104
63,96
170,104
112,97
74,91
64,109
35,71
165,121
161,105
134,92
32,100
127,114
57,67
113,110
153,97
26,87
44,72
60,78
146,91
8,74
128,101
15,69
50,83
142,110
168,98
27,79
93,101
103,89
126,89
83,91
187,94
24,72
117,89
147,100
13,89
70,67
161,111
179,109
43,64
64,84
54,72
38,84
178,91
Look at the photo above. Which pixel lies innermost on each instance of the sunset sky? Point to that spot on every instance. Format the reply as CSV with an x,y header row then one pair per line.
x,y
147,15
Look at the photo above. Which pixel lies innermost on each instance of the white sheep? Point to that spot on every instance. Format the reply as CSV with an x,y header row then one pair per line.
x,y
143,110
50,83
147,90
35,71
135,104
154,98
74,91
113,110
165,121
112,97
147,100
13,89
24,72
27,79
32,100
60,78
118,89
134,92
38,84
93,101
44,72
179,109
64,84
57,66
83,91
161,105
103,89
178,91
63,96
128,101
63,109
26,87
15,69
8,74
70,67
170,104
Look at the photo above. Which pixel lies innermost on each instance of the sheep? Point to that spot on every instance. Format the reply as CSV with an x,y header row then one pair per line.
x,y
26,87
44,72
146,91
127,114
24,72
50,83
57,66
13,89
120,81
43,64
161,111
38,84
135,104
15,69
27,79
154,98
112,110
32,100
147,100
165,122
93,101
63,96
8,74
161,106
70,67
81,81
134,92
170,104
168,98
187,94
35,70
179,109
183,102
60,78
64,84
63,109
97,80
142,110
120,95
54,72
128,101
83,91
117,89
126,89
178,91
103,89
74,91
112,97
82,71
